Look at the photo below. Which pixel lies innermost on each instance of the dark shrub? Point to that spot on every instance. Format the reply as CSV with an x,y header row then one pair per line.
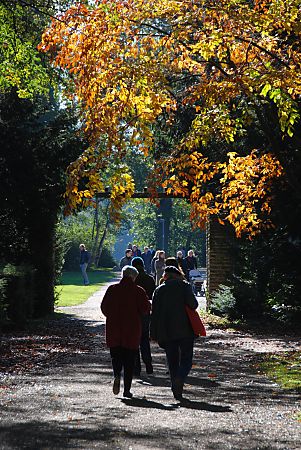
x,y
223,302
19,292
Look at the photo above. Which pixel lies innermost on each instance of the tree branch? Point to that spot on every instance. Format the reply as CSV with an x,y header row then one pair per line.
x,y
36,9
271,54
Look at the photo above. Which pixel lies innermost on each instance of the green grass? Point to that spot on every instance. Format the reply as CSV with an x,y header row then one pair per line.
x,y
72,292
218,322
284,368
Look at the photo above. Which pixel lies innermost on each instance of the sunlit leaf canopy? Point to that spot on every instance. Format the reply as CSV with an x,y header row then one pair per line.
x,y
124,59
21,65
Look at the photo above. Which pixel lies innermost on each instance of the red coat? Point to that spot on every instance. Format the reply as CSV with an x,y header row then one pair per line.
x,y
123,305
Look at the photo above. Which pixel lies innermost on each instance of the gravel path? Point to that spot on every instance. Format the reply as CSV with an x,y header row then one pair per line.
x,y
71,405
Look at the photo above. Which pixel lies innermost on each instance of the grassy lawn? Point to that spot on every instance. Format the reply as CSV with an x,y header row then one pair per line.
x,y
72,292
284,368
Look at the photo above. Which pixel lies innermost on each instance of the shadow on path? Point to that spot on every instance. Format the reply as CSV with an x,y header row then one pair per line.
x,y
71,405
185,403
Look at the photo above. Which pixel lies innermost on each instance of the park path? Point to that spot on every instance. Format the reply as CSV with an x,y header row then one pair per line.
x,y
71,405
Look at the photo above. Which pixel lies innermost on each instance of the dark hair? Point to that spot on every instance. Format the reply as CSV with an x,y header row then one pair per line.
x,y
172,270
128,250
137,262
171,261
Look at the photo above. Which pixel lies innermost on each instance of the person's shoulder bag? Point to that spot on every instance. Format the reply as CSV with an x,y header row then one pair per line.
x,y
195,321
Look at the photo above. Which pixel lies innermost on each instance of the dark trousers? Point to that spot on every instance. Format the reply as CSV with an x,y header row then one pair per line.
x,y
179,355
123,358
144,348
145,354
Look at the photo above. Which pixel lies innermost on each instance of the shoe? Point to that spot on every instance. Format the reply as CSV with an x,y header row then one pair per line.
x,y
149,369
177,396
116,385
177,393
127,394
177,389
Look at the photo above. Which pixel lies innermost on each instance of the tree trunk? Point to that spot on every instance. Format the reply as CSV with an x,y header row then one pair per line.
x,y
101,243
96,229
163,228
97,246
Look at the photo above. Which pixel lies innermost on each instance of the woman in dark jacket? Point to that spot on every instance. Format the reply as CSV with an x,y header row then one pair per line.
x,y
171,328
123,305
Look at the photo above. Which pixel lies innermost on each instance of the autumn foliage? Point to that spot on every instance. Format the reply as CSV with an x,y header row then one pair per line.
x,y
129,62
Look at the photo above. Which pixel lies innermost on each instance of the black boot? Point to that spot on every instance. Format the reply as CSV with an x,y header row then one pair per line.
x,y
177,389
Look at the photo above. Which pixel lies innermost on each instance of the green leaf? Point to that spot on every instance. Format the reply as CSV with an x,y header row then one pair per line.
x,y
267,87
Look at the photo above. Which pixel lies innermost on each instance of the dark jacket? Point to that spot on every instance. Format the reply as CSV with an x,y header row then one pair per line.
x,y
123,305
147,282
147,259
191,263
125,261
169,320
84,257
182,263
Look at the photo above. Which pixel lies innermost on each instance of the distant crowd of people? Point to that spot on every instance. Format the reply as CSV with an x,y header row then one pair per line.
x,y
155,261
150,301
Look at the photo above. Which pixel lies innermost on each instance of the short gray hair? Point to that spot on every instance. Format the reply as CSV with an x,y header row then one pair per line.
x,y
129,272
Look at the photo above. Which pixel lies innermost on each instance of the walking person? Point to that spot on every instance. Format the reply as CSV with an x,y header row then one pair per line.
x,y
155,257
147,282
126,260
123,305
136,251
147,259
191,262
171,328
84,258
152,250
172,261
159,266
181,262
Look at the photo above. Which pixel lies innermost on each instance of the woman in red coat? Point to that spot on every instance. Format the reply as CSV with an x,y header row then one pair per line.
x,y
123,305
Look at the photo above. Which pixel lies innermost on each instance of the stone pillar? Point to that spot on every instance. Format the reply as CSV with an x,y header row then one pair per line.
x,y
219,255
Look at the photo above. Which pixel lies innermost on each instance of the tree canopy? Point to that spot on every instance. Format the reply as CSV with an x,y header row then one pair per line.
x,y
131,62
22,66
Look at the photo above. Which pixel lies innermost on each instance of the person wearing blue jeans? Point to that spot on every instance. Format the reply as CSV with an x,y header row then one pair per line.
x,y
83,263
171,328
179,353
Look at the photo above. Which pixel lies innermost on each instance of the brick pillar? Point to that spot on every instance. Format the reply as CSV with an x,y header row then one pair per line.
x,y
219,256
